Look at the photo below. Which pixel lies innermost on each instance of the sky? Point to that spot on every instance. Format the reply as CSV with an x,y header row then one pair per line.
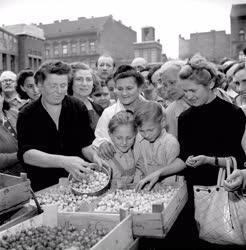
x,y
169,17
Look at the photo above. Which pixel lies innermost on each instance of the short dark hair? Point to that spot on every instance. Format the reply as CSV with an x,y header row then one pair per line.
x,y
239,67
21,77
125,71
52,67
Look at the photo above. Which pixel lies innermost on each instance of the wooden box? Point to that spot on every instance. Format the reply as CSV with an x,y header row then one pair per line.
x,y
14,192
158,223
120,236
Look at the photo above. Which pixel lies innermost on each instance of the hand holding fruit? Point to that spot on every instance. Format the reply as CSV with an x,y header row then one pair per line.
x,y
76,166
151,179
195,161
106,150
235,180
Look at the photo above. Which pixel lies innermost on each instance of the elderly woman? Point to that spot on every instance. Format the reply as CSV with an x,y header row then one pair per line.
x,y
81,86
26,87
128,84
210,130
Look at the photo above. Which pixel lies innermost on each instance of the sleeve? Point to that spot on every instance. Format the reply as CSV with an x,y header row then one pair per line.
x,y
101,131
239,130
24,136
139,159
172,149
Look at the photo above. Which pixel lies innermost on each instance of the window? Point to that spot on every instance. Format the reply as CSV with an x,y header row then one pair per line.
x,y
153,55
30,62
82,47
56,50
4,61
241,35
145,54
64,49
92,46
12,63
47,52
74,48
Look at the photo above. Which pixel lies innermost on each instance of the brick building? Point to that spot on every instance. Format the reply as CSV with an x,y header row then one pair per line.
x,y
213,45
87,38
8,51
238,29
30,45
149,49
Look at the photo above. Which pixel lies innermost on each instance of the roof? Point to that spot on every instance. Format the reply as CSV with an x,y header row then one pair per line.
x,y
80,25
238,10
24,29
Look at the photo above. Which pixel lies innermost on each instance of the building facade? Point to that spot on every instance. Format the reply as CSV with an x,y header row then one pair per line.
x,y
8,51
30,40
86,39
238,30
149,49
213,45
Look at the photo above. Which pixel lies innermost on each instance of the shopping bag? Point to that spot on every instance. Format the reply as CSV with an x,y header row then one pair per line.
x,y
220,215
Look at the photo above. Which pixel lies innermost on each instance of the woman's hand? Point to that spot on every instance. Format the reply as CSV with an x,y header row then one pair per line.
x,y
234,181
151,179
106,150
195,161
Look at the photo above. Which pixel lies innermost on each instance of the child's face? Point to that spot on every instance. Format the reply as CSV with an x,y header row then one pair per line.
x,y
150,130
123,137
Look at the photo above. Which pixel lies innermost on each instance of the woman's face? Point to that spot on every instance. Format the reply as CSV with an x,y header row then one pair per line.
x,y
196,94
127,90
31,88
82,83
123,137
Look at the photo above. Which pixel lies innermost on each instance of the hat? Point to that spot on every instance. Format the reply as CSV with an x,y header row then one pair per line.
x,y
8,75
139,61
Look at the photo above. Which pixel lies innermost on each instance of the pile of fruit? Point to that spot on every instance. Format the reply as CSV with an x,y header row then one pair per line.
x,y
131,200
91,183
64,198
58,238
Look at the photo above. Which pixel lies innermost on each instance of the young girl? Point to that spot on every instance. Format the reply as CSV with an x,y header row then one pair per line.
x,y
122,131
155,149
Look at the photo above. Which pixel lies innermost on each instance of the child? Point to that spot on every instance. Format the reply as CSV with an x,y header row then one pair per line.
x,y
154,148
122,131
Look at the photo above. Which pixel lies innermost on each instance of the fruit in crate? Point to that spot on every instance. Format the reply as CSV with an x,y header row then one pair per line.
x,y
131,200
44,237
64,198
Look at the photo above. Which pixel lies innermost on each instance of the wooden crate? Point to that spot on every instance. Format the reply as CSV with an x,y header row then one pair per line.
x,y
14,192
120,236
158,223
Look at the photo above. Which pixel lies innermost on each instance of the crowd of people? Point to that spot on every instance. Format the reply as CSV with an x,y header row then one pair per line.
x,y
144,122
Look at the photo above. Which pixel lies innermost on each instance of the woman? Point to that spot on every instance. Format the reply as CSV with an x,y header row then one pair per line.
x,y
81,86
210,130
9,163
128,84
26,87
